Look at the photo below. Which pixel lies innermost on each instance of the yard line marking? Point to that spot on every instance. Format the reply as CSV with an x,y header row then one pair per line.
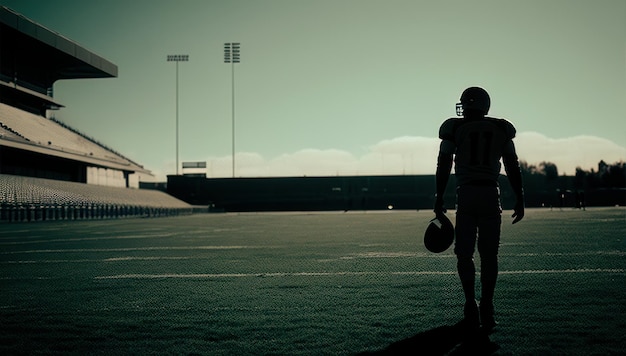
x,y
125,249
347,273
327,260
261,275
364,255
99,238
557,254
564,271
147,258
112,259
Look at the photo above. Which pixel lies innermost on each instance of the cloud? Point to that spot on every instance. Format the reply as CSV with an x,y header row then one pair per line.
x,y
402,155
409,155
568,153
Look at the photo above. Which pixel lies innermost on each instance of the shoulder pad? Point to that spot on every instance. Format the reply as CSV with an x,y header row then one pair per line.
x,y
509,128
505,126
447,129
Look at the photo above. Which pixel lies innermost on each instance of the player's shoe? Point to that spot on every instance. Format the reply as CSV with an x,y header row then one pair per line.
x,y
487,318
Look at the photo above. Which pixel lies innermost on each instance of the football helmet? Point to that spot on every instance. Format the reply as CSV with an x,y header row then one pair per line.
x,y
439,234
474,99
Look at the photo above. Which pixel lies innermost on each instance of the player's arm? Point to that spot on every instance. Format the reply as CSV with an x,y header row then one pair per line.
x,y
513,172
447,148
444,167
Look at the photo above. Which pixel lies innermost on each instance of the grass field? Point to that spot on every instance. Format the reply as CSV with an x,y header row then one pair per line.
x,y
304,284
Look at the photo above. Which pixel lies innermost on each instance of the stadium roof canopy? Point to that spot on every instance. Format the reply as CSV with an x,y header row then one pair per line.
x,y
34,56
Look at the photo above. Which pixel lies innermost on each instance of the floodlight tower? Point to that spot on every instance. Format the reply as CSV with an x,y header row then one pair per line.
x,y
232,56
177,58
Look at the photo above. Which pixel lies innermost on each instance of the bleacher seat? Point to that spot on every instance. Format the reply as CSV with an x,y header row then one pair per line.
x,y
32,199
41,131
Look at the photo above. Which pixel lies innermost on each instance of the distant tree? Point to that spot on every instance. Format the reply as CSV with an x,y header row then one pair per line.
x,y
542,180
549,169
607,176
614,176
527,169
580,179
602,167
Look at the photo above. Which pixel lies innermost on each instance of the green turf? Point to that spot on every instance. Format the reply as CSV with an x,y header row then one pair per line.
x,y
302,284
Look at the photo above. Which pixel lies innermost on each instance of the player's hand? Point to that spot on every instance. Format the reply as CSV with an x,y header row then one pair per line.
x,y
439,209
518,212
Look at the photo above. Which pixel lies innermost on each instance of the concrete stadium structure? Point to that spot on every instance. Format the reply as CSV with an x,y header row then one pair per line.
x,y
37,151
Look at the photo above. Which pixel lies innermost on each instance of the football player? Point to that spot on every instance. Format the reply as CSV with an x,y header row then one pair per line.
x,y
475,144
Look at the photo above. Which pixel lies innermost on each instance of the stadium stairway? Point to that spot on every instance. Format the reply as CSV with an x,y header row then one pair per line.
x,y
25,199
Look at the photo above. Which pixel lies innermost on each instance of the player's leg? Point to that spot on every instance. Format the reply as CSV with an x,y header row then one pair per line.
x,y
465,232
488,244
464,249
465,242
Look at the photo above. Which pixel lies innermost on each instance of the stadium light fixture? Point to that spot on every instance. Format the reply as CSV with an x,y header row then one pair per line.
x,y
232,55
177,58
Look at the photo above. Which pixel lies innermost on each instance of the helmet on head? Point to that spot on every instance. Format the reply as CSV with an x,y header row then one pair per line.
x,y
474,99
439,234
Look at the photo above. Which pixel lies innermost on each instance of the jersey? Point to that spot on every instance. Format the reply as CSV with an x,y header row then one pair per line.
x,y
477,145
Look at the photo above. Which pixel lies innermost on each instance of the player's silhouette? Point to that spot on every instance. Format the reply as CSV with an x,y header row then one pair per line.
x,y
476,143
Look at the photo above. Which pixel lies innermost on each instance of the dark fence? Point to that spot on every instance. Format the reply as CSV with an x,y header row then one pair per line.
x,y
368,193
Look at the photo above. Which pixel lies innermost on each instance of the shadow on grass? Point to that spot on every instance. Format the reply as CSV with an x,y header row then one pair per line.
x,y
443,340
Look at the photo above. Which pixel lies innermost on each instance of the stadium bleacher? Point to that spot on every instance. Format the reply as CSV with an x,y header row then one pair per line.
x,y
26,199
8,133
48,170
39,130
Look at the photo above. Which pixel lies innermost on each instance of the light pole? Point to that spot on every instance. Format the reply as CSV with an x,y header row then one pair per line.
x,y
177,58
232,55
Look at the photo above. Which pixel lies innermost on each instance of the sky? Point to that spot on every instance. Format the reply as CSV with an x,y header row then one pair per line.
x,y
342,87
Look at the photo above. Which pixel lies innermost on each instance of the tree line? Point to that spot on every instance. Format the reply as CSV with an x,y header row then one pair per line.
x,y
604,186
